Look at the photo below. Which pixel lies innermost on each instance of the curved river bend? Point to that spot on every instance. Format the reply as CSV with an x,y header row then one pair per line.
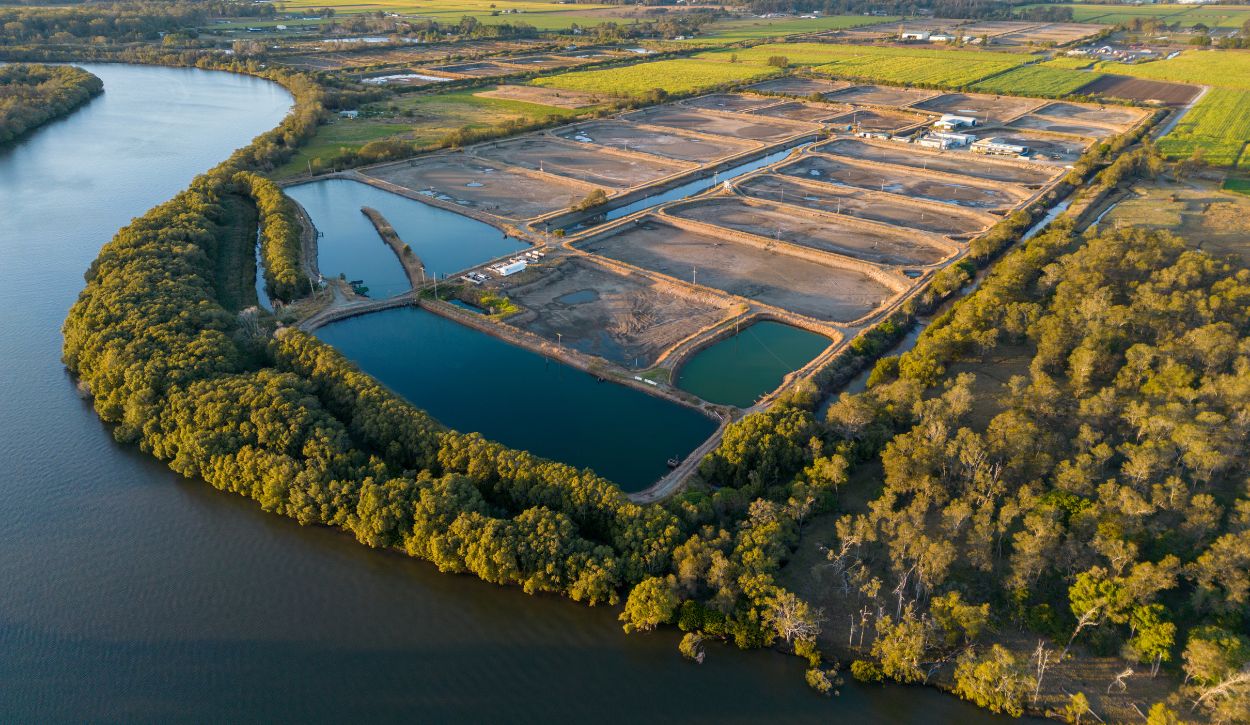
x,y
128,593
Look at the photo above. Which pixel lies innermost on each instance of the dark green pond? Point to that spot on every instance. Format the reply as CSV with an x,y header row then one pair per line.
x,y
445,241
471,381
741,368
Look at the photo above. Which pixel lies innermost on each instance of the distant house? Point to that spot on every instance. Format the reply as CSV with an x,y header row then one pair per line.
x,y
941,38
921,35
349,114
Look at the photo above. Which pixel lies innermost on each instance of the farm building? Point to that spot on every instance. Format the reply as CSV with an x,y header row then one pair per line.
x,y
950,122
998,147
922,36
511,268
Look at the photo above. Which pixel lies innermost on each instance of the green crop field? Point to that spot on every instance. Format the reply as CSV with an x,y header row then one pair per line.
x,y
541,15
1239,186
1215,16
686,75
1219,125
1227,68
1067,62
733,31
950,68
1037,80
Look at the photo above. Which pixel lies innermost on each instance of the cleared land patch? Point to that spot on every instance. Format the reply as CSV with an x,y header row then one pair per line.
x,y
1206,217
951,221
1119,118
1141,90
1052,149
690,119
578,161
817,290
671,144
907,182
986,109
461,179
546,96
830,233
954,162
625,318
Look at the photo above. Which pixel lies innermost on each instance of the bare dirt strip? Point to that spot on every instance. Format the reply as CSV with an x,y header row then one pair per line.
x,y
658,141
1141,90
954,162
972,193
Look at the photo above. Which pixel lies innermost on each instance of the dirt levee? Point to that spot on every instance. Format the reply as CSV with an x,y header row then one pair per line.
x,y
578,161
830,233
952,162
546,96
952,221
625,318
907,182
821,291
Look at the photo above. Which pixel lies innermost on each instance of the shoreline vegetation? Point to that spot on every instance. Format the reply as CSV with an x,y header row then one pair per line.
x,y
279,417
33,94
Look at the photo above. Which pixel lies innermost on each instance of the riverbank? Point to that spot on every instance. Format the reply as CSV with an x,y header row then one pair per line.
x,y
33,95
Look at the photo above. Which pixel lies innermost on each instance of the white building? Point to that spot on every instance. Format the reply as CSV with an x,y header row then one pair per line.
x,y
950,122
998,147
955,139
921,35
504,270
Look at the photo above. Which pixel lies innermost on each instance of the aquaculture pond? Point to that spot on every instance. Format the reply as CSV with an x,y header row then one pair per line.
x,y
471,381
690,188
348,243
741,368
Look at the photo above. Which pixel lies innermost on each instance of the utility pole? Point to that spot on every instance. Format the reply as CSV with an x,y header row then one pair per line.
x,y
694,275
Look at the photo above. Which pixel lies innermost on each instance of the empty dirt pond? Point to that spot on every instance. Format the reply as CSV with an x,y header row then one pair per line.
x,y
733,102
803,87
907,182
985,108
880,95
952,162
826,232
945,219
691,119
801,111
818,290
579,161
671,144
460,179
625,318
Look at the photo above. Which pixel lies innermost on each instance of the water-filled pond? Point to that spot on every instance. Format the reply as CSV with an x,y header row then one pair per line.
x,y
739,369
445,241
471,381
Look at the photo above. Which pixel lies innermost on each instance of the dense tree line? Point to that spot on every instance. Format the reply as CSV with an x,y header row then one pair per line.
x,y
1101,499
280,243
112,22
31,95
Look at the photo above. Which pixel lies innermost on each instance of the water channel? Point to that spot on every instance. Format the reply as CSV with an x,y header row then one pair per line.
x,y
132,594
741,368
471,381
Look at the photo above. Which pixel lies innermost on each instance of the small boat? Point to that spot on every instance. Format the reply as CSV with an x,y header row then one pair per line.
x,y
674,462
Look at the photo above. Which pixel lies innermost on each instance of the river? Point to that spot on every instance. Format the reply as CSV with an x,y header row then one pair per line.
x,y
130,594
